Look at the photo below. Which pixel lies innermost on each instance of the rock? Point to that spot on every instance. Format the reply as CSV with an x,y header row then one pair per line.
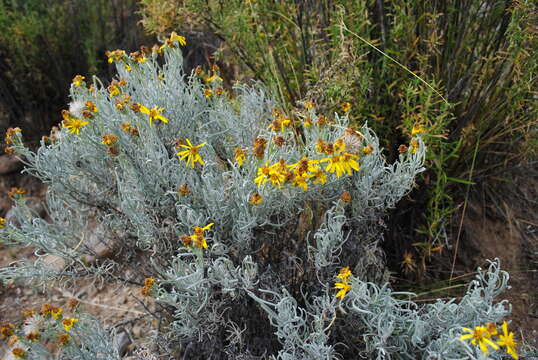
x,y
9,164
54,262
121,342
99,244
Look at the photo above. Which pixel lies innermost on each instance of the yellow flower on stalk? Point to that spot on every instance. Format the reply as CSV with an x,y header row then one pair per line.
x,y
2,223
481,337
73,124
113,90
417,129
319,176
212,78
78,80
506,339
208,93
344,273
345,107
154,114
56,312
197,238
109,139
68,323
277,178
299,180
344,289
180,39
263,174
343,285
240,156
191,154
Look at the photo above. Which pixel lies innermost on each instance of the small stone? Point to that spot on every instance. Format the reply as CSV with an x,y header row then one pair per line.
x,y
54,262
121,342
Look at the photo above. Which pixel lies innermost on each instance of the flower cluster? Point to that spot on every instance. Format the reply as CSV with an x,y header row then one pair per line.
x,y
483,336
44,325
148,285
9,139
343,285
197,238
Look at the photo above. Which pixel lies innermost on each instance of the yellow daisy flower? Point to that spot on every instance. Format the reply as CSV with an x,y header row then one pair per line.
x,y
506,339
191,154
154,114
481,337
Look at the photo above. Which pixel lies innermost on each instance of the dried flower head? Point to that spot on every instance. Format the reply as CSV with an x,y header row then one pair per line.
x,y
278,140
346,197
16,192
255,199
183,190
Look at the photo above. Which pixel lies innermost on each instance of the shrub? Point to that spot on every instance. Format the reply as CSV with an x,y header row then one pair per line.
x,y
477,55
257,235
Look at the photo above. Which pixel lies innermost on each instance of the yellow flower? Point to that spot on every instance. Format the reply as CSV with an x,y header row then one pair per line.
x,y
507,339
344,288
113,90
263,175
128,67
349,163
334,165
345,107
2,223
319,176
491,328
344,274
339,146
56,312
197,238
208,93
73,124
255,199
414,145
109,139
154,114
367,150
68,323
90,105
299,180
210,79
191,154
240,156
115,55
417,129
180,39
277,178
481,337
78,80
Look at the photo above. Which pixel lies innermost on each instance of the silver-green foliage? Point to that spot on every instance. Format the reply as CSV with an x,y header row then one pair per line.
x,y
278,258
